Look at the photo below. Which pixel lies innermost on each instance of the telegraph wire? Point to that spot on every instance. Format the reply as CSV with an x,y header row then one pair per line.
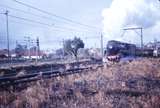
x,y
26,12
33,21
37,26
51,14
29,20
38,22
53,29
50,25
36,15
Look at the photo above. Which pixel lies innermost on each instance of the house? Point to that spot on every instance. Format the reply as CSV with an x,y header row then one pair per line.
x,y
3,53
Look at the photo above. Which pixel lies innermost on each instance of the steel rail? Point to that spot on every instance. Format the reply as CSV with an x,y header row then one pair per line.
x,y
12,80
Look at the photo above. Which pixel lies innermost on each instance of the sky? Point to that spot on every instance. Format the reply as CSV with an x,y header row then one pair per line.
x,y
108,17
132,13
87,12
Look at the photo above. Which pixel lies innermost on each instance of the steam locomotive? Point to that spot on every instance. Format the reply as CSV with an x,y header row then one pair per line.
x,y
115,50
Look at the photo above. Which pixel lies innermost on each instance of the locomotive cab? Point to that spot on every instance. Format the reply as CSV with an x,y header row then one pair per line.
x,y
115,50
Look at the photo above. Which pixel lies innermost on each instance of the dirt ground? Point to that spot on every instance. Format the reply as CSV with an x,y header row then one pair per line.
x,y
129,84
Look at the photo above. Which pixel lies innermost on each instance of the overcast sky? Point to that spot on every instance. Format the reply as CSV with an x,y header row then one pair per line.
x,y
110,16
86,12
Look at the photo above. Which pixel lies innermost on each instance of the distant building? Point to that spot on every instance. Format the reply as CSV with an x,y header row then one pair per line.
x,y
153,45
33,54
3,53
95,52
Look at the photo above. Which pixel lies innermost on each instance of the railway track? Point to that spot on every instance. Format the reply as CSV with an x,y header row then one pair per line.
x,y
12,80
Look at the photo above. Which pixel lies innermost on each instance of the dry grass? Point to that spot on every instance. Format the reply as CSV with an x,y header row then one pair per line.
x,y
104,88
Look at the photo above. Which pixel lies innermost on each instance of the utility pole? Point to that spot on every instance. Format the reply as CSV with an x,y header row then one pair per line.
x,y
141,38
28,44
7,25
102,45
63,48
38,46
37,49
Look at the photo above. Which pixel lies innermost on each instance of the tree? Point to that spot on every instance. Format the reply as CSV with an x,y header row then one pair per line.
x,y
83,52
72,46
60,52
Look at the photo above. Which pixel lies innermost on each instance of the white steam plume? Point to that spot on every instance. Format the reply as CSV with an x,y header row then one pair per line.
x,y
132,13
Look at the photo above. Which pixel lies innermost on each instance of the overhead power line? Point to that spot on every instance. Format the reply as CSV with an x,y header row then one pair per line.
x,y
141,34
37,25
51,14
41,23
29,20
26,12
36,15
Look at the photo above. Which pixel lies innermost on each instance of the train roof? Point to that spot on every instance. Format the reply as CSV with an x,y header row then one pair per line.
x,y
119,42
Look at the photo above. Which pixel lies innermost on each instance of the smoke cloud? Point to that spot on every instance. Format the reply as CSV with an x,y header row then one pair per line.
x,y
132,13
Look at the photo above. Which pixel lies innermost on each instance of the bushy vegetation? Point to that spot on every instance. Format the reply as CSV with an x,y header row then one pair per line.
x,y
133,84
